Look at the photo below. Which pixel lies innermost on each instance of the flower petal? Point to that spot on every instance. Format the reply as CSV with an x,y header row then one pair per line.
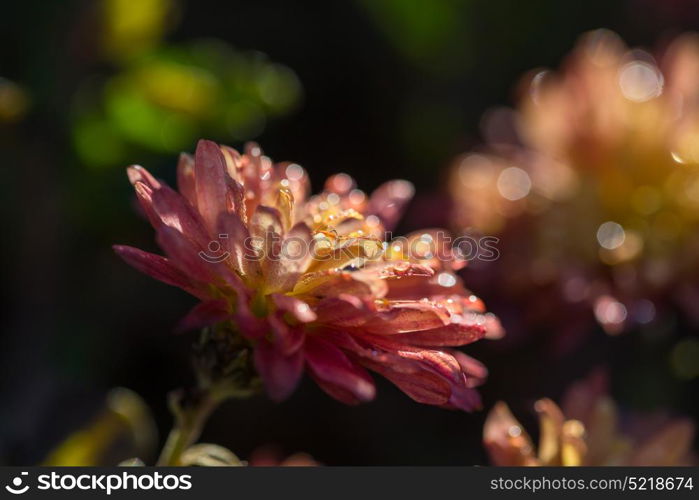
x,y
420,385
164,206
286,338
266,235
137,173
475,371
464,398
550,426
343,310
186,184
284,271
669,446
233,162
298,308
174,211
389,200
339,184
204,314
439,378
280,373
408,316
336,373
450,335
313,287
412,287
505,440
210,175
185,255
235,239
157,267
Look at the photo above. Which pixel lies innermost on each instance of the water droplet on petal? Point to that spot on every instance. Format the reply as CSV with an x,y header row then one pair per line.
x,y
333,199
294,172
640,81
446,279
514,431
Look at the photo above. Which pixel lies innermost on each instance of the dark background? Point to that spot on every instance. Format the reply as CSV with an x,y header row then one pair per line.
x,y
389,89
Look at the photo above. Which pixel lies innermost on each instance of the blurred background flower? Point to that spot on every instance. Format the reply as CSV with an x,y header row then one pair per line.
x,y
588,429
591,183
377,89
122,428
160,97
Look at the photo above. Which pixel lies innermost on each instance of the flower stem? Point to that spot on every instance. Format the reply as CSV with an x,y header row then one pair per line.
x,y
224,371
190,416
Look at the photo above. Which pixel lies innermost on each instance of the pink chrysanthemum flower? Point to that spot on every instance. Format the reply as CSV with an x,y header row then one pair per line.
x,y
308,282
